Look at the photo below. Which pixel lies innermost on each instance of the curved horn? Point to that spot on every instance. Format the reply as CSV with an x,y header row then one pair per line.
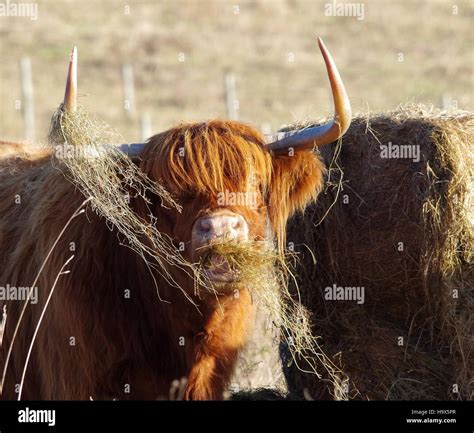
x,y
70,95
132,149
320,135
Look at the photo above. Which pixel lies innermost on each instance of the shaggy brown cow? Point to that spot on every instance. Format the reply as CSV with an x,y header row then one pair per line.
x,y
93,342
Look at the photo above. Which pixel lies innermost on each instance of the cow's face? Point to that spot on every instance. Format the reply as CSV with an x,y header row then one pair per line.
x,y
230,187
230,183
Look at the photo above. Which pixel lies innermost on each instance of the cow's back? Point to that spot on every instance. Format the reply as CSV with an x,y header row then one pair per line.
x,y
21,167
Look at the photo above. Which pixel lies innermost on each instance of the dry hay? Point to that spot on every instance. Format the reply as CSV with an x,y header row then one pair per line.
x,y
84,152
403,230
266,272
254,263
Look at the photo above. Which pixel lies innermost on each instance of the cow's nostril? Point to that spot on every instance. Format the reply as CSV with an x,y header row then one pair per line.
x,y
236,223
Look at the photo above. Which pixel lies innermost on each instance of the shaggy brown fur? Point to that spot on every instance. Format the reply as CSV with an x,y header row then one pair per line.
x,y
403,230
94,340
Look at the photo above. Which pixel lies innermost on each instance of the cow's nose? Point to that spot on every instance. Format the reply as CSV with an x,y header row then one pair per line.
x,y
221,226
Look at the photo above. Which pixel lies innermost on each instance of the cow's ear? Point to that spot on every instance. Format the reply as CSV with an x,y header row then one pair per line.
x,y
296,181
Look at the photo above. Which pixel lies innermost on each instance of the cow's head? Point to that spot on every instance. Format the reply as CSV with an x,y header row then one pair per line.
x,y
231,182
230,185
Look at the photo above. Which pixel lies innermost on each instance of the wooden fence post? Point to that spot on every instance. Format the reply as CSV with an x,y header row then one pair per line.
x,y
27,98
232,103
128,90
145,126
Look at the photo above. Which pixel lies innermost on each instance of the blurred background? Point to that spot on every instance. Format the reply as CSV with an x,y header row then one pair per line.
x,y
145,65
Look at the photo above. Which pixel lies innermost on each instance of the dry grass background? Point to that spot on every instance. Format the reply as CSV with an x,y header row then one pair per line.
x,y
256,44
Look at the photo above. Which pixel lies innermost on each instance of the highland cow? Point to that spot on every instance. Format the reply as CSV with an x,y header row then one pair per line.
x,y
93,341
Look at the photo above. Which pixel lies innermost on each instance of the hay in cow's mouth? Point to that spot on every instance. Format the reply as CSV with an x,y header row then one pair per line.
x,y
266,272
246,263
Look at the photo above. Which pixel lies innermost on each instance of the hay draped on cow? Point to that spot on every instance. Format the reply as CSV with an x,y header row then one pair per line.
x,y
399,225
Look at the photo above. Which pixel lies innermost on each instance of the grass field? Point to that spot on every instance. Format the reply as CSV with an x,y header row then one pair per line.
x,y
400,51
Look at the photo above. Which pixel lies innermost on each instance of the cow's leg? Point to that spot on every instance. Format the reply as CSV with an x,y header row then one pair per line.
x,y
216,351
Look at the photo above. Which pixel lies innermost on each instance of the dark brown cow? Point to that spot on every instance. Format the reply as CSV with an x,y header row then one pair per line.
x,y
93,342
